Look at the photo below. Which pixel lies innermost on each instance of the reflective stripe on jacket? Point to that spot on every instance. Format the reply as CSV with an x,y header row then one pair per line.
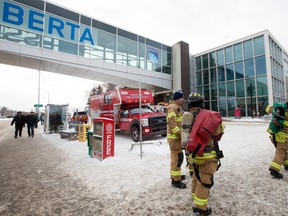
x,y
282,135
174,121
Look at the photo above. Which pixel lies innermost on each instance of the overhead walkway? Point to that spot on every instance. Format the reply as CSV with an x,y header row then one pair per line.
x,y
44,36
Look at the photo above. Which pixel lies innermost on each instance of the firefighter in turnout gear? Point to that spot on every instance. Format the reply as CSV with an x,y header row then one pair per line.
x,y
204,166
279,139
174,122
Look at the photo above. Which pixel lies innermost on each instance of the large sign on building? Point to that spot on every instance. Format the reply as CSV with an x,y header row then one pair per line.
x,y
34,20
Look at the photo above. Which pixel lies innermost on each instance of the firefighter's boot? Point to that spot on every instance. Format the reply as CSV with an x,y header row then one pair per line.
x,y
200,212
183,177
276,174
178,184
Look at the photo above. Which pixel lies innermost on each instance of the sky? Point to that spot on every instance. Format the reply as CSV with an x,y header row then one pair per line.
x,y
131,185
203,24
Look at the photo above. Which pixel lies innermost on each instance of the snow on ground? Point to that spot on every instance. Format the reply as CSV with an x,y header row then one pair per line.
x,y
243,185
131,185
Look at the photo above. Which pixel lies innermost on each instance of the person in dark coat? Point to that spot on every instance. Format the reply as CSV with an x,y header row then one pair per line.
x,y
42,118
31,121
19,121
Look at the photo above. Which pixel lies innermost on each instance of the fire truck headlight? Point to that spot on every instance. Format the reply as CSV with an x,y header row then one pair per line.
x,y
144,122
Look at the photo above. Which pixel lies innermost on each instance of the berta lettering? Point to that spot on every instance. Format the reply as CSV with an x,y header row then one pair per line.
x,y
15,15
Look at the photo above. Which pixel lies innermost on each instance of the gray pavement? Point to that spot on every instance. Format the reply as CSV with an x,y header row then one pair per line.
x,y
32,184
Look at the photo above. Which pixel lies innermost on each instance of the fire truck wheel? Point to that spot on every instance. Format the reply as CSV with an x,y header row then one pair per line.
x,y
135,134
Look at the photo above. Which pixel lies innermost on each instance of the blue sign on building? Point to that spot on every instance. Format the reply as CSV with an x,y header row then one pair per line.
x,y
153,55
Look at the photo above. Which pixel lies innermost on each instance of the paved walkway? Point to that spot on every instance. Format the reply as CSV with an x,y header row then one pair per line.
x,y
31,183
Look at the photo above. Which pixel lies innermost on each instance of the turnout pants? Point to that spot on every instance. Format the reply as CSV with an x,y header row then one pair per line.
x,y
280,156
176,159
200,193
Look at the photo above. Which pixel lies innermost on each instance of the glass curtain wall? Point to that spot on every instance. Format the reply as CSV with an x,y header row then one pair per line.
x,y
235,76
277,71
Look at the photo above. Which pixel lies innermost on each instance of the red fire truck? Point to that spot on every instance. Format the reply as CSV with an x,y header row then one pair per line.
x,y
122,105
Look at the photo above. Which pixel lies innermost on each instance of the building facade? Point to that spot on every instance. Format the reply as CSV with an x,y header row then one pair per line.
x,y
249,73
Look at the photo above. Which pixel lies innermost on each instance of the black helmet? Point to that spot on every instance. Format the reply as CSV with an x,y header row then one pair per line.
x,y
177,94
195,100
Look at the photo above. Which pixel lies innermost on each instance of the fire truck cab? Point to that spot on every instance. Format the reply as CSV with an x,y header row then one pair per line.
x,y
123,105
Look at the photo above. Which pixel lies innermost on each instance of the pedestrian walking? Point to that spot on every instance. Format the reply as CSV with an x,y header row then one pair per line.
x,y
31,121
42,118
19,121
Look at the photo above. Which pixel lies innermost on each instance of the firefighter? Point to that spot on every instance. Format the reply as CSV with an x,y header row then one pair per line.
x,y
280,140
174,122
204,166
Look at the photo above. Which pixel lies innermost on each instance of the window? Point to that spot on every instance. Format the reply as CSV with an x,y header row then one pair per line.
x,y
220,57
230,90
166,62
248,50
198,78
229,72
141,55
198,63
228,55
249,68
222,107
238,52
262,104
212,57
213,76
205,61
239,70
213,92
262,88
214,106
250,87
260,64
206,77
240,88
206,93
221,74
126,52
259,46
231,105
222,92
